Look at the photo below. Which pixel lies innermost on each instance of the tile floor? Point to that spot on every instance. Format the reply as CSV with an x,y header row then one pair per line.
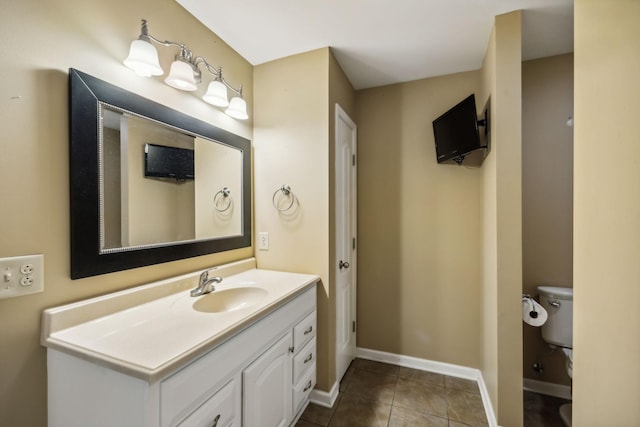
x,y
378,394
542,411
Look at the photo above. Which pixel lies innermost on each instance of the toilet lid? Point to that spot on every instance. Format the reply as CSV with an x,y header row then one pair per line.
x,y
556,292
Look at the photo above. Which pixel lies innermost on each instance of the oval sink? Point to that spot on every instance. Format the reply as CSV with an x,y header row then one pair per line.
x,y
229,299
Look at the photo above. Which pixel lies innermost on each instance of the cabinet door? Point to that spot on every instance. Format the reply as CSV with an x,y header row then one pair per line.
x,y
267,387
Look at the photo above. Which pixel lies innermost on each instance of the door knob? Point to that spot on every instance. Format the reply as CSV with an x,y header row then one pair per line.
x,y
343,264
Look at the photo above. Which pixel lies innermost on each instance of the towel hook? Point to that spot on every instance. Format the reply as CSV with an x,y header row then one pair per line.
x,y
286,192
223,194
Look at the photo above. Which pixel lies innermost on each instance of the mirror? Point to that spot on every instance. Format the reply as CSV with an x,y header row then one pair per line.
x,y
149,184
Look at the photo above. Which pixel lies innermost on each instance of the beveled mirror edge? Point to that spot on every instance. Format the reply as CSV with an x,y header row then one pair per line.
x,y
84,93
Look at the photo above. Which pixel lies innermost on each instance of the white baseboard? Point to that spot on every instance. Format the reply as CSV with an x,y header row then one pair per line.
x,y
550,389
323,398
437,367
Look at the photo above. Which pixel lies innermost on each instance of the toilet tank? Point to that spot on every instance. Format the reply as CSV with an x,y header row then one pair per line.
x,y
558,301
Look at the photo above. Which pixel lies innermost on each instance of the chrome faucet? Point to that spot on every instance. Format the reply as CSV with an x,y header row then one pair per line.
x,y
205,284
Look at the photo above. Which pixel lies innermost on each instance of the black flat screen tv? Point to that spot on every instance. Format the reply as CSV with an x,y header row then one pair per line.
x,y
161,161
456,132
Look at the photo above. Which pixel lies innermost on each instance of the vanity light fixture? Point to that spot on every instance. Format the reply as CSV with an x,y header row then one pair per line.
x,y
184,73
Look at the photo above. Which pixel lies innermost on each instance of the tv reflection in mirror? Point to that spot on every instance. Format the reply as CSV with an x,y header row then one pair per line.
x,y
168,163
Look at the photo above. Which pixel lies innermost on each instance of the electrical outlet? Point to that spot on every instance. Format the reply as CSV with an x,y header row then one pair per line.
x,y
263,241
22,275
26,280
26,269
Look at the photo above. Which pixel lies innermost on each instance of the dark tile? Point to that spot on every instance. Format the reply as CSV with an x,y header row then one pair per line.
x,y
462,384
466,408
356,411
542,411
426,376
421,397
457,424
318,414
402,417
371,386
377,367
303,423
347,375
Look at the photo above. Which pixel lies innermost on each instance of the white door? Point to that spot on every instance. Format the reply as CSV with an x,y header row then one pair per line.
x,y
345,241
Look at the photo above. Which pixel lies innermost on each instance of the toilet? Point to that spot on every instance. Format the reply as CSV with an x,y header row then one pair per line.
x,y
558,329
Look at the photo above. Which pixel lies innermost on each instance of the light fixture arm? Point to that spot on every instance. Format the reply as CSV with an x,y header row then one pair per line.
x,y
144,35
217,72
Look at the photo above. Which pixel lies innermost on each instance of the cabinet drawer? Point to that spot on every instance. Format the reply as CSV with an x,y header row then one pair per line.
x,y
218,411
304,360
303,388
304,331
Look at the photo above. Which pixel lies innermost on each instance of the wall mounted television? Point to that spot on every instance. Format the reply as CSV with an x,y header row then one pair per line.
x,y
456,132
161,161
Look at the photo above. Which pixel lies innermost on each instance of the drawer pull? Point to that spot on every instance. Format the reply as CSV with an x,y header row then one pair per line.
x,y
307,387
309,330
215,421
308,359
292,349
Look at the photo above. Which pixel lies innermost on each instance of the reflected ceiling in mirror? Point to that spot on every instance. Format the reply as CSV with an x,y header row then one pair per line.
x,y
150,184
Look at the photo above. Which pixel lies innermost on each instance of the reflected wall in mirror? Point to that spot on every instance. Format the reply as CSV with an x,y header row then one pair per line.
x,y
161,185
150,184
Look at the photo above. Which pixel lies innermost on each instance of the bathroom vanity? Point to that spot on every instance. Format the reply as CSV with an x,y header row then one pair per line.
x,y
155,356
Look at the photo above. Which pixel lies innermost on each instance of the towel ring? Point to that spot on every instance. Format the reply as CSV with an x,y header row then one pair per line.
x,y
221,195
286,191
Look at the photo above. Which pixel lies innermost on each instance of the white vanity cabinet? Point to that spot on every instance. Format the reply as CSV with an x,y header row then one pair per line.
x,y
278,383
259,376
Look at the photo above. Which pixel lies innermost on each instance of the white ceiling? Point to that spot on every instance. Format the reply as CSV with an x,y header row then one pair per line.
x,y
379,42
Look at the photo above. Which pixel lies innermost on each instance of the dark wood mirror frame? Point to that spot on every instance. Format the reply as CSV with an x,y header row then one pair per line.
x,y
85,92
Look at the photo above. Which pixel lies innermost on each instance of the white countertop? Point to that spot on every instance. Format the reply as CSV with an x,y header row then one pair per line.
x,y
152,339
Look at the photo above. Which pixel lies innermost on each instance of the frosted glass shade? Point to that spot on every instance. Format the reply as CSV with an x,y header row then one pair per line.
x,y
181,76
216,94
143,59
237,108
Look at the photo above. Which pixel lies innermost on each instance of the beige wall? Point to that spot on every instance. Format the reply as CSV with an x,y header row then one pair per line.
x,y
547,197
502,223
489,301
418,225
217,166
606,327
154,211
418,219
291,147
40,41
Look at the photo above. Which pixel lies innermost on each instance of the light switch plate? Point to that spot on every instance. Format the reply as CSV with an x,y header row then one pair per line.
x,y
21,275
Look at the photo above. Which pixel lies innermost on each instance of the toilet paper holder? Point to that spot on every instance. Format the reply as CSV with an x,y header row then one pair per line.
x,y
533,313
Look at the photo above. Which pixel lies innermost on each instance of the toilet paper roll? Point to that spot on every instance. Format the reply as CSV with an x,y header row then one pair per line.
x,y
533,313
